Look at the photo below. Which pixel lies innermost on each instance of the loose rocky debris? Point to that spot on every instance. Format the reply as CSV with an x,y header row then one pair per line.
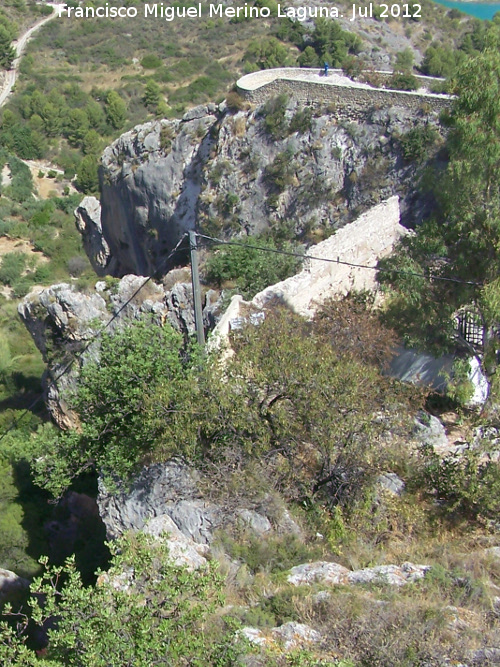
x,y
334,574
183,550
288,636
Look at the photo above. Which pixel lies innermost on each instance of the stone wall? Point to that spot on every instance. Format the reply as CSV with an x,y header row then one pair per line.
x,y
351,100
363,242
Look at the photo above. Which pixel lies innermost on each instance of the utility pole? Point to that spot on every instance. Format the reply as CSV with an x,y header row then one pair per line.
x,y
195,279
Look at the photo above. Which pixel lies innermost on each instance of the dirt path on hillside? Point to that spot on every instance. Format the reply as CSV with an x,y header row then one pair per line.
x,y
20,46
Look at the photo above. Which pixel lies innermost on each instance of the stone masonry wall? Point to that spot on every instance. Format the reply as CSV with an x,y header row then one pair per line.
x,y
351,103
363,242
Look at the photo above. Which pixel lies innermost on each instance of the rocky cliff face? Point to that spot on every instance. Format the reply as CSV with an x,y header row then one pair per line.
x,y
297,170
151,178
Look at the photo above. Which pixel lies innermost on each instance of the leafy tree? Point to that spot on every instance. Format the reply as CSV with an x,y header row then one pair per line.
x,y
144,611
96,116
288,404
152,94
91,143
463,242
116,435
332,44
52,119
11,267
77,126
440,61
87,175
404,61
267,53
116,110
7,52
23,141
305,411
308,58
403,81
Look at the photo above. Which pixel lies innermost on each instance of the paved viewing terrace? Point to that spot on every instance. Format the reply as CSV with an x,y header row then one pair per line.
x,y
311,84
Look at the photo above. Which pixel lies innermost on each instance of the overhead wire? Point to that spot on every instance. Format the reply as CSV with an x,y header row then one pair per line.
x,y
290,253
223,242
97,335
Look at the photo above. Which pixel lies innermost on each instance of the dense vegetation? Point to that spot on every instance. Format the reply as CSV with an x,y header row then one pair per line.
x,y
461,241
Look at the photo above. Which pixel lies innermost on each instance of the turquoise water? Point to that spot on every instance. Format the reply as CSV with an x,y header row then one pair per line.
x,y
480,10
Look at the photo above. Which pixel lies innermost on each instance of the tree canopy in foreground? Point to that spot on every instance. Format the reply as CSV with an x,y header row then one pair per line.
x,y
462,242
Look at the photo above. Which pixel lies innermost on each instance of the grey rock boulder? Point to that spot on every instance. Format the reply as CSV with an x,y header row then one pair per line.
x,y
258,523
294,635
11,585
390,482
88,223
430,431
163,489
334,574
182,549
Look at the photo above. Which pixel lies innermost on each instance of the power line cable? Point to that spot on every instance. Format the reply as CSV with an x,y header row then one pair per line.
x,y
81,352
289,253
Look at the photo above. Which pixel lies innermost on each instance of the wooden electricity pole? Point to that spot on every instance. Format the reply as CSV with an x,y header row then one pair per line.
x,y
195,279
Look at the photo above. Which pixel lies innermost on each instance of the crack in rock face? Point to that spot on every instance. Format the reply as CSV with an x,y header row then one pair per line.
x,y
228,173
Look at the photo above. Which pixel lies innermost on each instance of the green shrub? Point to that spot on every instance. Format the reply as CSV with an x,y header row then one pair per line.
x,y
166,136
249,270
267,53
270,554
274,114
403,81
279,174
235,102
11,268
177,625
301,121
151,61
418,142
464,485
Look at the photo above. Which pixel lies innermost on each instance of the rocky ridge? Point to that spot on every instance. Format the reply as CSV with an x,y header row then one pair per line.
x,y
298,169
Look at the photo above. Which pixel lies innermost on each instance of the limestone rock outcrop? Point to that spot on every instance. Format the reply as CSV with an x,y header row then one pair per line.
x,y
183,550
64,322
88,223
167,497
164,489
335,574
151,178
224,173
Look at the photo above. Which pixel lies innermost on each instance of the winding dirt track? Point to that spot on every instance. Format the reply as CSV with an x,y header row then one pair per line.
x,y
20,46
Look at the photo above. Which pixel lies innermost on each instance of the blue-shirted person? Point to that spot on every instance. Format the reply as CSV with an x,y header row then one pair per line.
x,y
326,69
